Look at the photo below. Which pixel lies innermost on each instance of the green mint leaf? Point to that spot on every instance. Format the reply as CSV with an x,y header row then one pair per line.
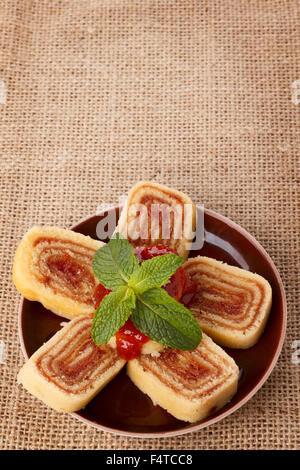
x,y
114,262
128,295
111,314
154,272
165,320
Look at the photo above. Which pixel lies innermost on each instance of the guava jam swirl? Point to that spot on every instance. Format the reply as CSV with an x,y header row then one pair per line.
x,y
129,339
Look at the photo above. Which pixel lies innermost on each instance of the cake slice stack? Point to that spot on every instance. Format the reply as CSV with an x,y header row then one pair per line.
x,y
54,266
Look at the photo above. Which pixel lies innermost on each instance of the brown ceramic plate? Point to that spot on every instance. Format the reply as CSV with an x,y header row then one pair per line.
x,y
120,407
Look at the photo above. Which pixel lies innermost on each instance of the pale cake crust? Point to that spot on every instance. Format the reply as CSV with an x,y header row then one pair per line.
x,y
188,384
232,305
69,370
182,224
54,267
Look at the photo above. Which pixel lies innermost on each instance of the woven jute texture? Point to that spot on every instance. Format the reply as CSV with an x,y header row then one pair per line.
x,y
201,96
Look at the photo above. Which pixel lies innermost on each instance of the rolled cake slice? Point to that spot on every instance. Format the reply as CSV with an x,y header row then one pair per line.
x,y
54,267
69,370
188,384
155,214
231,305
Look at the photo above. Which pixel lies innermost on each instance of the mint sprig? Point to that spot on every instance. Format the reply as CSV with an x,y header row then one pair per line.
x,y
165,320
112,313
114,263
154,272
137,293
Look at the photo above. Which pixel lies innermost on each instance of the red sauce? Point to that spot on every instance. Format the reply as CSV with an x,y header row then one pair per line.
x,y
99,293
176,283
129,340
189,291
180,286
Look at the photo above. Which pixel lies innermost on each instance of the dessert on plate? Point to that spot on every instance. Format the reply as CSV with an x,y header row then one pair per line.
x,y
155,214
231,305
69,370
188,384
54,267
140,299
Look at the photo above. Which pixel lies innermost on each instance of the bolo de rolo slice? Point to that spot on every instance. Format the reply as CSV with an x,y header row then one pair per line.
x,y
54,266
69,370
189,384
155,214
232,305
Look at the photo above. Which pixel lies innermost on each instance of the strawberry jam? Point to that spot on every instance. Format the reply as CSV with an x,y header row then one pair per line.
x,y
99,293
189,291
175,284
179,286
129,339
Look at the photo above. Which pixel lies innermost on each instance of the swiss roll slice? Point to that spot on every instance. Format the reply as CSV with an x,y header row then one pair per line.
x,y
54,267
232,305
69,370
155,214
190,385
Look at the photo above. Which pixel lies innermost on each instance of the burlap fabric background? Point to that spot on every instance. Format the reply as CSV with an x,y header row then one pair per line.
x,y
197,95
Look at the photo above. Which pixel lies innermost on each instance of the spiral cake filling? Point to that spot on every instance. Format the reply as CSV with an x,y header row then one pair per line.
x,y
74,362
227,300
192,374
65,267
155,214
161,221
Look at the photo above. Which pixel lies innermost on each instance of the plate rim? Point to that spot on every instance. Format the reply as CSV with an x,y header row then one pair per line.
x,y
213,420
